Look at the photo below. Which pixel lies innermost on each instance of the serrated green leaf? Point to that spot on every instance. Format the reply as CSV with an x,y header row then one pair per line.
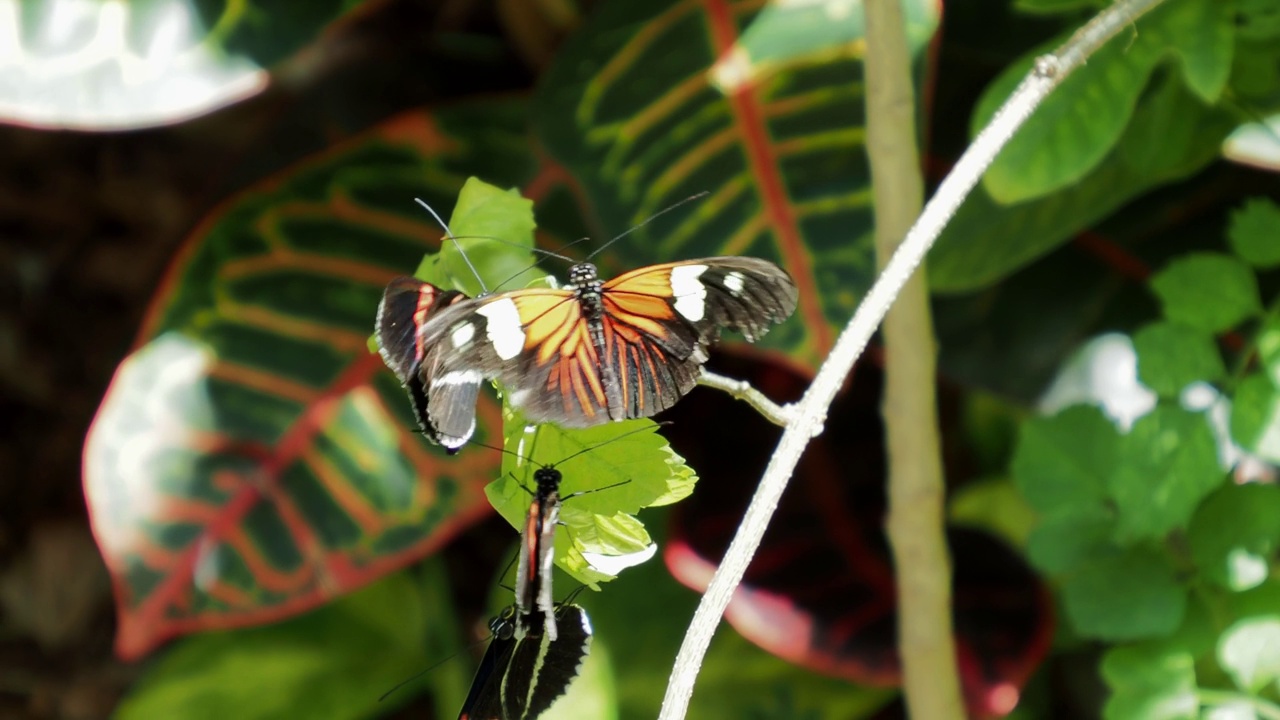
x,y
484,211
628,455
1128,596
1255,417
332,663
1064,461
1165,465
1234,533
1067,539
1150,681
1254,233
1249,651
1171,356
1209,291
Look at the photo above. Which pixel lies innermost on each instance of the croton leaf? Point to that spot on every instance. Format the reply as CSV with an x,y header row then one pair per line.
x,y
252,458
820,591
116,65
756,104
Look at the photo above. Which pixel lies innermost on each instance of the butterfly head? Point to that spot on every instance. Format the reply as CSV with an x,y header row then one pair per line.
x,y
584,275
548,480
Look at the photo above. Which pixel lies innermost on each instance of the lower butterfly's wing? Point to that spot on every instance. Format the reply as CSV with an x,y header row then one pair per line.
x,y
542,668
406,307
484,701
660,320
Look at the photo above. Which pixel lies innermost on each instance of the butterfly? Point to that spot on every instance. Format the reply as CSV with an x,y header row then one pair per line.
x,y
594,351
520,676
407,304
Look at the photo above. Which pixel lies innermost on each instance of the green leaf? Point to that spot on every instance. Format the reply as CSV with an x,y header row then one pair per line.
x,y
628,455
1209,291
1053,7
1255,417
1254,232
1171,136
650,103
1150,681
1128,596
329,664
1204,40
1234,533
993,504
1171,356
1267,345
1064,461
1067,539
485,211
251,458
1258,19
1249,651
1166,464
1075,128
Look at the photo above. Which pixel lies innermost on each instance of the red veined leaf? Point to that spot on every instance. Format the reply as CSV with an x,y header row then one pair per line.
x,y
820,591
760,105
252,458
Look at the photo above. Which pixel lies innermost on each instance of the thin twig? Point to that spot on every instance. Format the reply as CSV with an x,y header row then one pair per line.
x,y
811,411
917,523
779,415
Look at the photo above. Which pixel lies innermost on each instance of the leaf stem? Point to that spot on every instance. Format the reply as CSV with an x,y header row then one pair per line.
x,y
917,495
811,411
779,415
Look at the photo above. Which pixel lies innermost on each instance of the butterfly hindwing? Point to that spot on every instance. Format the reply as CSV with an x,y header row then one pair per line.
x,y
406,307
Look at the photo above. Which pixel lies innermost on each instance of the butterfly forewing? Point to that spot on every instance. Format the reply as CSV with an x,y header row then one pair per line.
x,y
407,306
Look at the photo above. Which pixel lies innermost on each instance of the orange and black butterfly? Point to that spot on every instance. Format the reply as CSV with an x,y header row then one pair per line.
x,y
407,304
593,351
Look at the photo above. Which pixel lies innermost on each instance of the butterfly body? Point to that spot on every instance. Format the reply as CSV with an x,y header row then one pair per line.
x,y
595,351
537,552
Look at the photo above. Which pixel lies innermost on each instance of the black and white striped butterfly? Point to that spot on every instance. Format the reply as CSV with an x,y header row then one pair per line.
x,y
520,676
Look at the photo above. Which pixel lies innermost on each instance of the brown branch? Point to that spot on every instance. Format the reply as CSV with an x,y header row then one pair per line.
x,y
917,523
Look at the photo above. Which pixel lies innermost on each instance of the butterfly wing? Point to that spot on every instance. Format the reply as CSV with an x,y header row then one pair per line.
x,y
652,339
542,667
406,307
660,320
484,701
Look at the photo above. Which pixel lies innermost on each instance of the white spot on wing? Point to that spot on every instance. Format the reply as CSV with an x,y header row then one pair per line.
x,y
733,281
462,334
461,377
505,329
688,290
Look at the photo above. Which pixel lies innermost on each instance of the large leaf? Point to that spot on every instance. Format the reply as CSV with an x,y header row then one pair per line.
x,y
1075,127
760,106
252,458
115,64
1170,136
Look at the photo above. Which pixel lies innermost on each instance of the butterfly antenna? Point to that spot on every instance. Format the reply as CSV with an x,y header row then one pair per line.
x,y
539,262
610,440
449,234
648,220
573,595
420,673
